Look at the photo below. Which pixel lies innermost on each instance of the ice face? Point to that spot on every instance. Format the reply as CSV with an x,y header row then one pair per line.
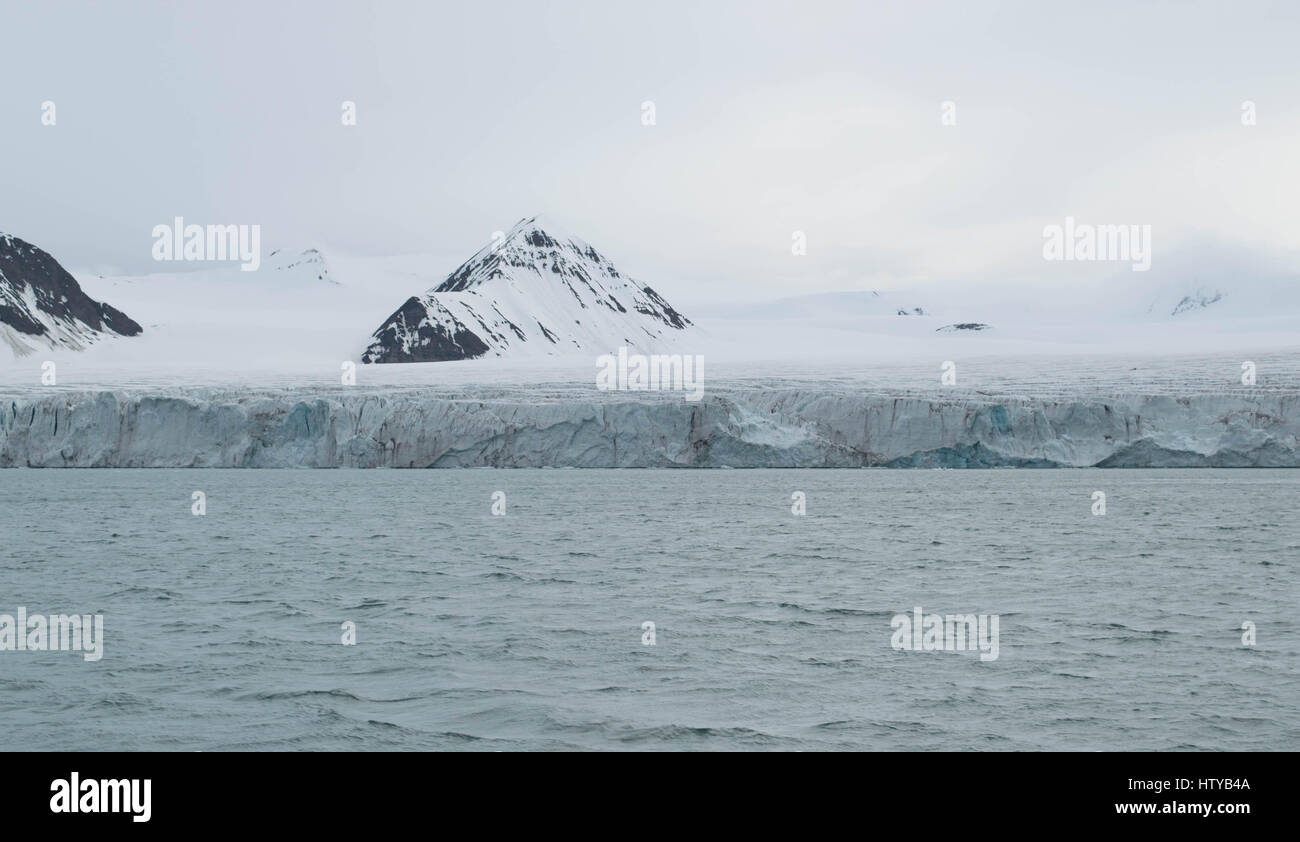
x,y
737,427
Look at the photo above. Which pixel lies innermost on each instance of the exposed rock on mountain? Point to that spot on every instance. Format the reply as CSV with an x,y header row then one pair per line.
x,y
1196,301
42,306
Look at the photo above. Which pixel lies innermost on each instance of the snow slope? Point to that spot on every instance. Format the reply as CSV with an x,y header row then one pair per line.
x,y
303,309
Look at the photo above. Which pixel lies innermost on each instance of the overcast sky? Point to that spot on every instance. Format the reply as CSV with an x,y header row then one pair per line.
x,y
770,118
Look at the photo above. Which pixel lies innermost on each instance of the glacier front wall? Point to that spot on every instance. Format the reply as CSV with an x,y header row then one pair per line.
x,y
740,428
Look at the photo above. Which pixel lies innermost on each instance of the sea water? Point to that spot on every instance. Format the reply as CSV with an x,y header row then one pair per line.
x,y
652,609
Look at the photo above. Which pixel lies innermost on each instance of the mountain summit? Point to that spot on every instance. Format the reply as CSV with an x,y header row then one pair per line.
x,y
41,305
530,292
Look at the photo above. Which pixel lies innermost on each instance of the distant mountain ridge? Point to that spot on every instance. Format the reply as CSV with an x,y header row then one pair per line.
x,y
304,264
43,306
531,292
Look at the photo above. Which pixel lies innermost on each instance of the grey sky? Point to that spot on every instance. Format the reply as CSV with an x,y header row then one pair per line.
x,y
771,118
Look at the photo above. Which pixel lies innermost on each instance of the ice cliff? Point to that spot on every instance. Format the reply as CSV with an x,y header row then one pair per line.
x,y
742,427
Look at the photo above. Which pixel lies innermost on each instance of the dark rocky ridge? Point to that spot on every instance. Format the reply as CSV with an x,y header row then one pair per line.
x,y
431,340
62,313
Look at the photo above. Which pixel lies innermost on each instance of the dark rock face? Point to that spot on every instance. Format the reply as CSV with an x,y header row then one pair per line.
x,y
962,326
410,336
660,309
38,298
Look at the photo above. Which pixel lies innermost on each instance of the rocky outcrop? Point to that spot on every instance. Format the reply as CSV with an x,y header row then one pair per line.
x,y
42,306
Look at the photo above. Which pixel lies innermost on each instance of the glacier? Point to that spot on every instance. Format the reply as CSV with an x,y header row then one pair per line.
x,y
800,425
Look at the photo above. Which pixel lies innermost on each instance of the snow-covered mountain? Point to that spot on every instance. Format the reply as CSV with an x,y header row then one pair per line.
x,y
307,265
1216,299
42,306
533,292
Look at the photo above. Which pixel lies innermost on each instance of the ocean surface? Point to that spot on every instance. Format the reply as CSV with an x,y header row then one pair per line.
x,y
773,631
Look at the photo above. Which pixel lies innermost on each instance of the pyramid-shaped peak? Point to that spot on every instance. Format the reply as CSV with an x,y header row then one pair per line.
x,y
535,290
532,244
542,232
